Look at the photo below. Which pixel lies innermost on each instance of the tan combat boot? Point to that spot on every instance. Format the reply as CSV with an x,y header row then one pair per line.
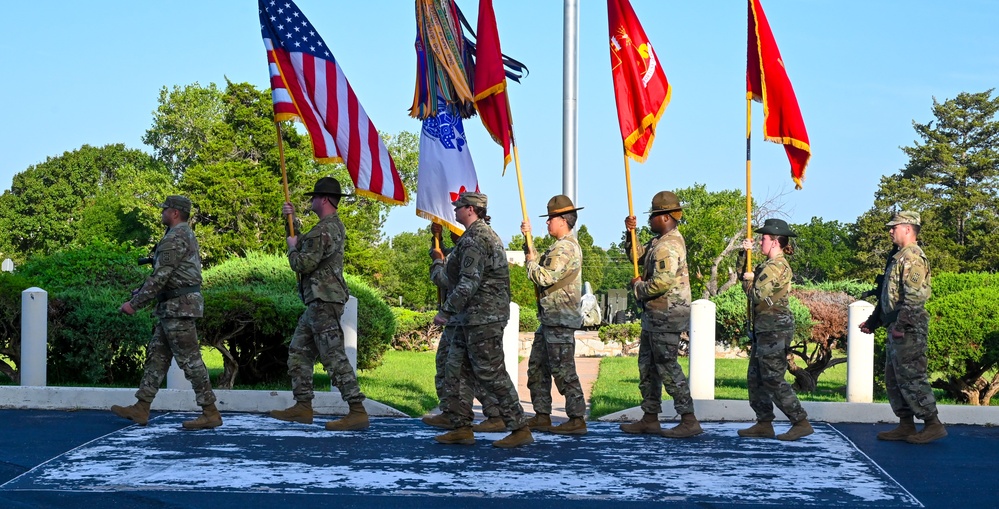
x,y
932,430
800,429
356,419
648,424
458,436
906,427
209,418
518,438
540,422
438,421
687,428
138,412
490,425
762,429
574,426
301,412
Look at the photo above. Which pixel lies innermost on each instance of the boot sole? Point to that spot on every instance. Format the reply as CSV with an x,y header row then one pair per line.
x,y
123,416
350,428
894,438
666,434
758,436
488,430
784,437
300,421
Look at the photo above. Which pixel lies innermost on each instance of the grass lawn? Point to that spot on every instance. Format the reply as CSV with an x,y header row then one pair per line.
x,y
404,381
616,387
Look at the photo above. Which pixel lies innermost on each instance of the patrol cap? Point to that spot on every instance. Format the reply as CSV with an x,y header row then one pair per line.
x,y
327,186
560,204
776,227
665,201
904,217
470,198
177,202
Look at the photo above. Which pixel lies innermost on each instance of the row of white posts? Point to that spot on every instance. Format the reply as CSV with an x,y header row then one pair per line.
x,y
859,352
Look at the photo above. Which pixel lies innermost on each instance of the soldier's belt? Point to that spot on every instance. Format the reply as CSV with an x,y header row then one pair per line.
x,y
177,292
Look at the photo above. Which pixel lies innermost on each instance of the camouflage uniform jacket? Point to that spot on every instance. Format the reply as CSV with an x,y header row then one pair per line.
x,y
444,275
561,307
906,288
176,265
318,259
769,293
664,291
482,292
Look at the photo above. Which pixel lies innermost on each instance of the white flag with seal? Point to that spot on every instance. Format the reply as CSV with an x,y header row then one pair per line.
x,y
446,169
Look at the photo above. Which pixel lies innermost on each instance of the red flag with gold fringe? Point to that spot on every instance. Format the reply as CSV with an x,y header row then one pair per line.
x,y
640,86
767,82
490,80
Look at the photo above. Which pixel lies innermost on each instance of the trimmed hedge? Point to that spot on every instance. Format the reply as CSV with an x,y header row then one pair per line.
x,y
731,317
415,330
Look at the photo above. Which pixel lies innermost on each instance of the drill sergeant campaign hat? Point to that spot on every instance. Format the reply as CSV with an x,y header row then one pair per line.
x,y
327,186
471,199
558,205
776,227
666,202
904,217
177,202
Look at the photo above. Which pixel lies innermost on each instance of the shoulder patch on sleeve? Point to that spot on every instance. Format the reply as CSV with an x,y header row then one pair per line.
x,y
763,277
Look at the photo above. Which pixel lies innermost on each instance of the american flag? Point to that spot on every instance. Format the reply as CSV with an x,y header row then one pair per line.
x,y
308,85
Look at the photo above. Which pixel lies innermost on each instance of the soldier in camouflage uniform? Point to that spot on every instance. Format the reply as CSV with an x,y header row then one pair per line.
x,y
558,280
444,273
317,258
767,289
904,291
175,285
663,291
480,304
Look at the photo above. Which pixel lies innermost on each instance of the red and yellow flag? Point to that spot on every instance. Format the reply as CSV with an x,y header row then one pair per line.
x,y
767,82
640,85
490,80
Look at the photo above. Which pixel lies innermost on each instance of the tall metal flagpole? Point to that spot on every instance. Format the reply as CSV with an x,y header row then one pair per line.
x,y
570,89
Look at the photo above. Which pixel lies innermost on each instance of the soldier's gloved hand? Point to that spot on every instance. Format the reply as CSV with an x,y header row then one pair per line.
x,y
630,222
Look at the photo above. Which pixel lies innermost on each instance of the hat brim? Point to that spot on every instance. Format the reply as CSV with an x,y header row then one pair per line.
x,y
328,194
769,231
562,213
663,211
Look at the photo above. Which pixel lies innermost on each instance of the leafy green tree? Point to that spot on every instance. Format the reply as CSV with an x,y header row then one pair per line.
x,y
825,251
713,224
47,205
951,179
408,275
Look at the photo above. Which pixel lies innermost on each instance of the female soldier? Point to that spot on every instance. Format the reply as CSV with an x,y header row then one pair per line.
x,y
772,325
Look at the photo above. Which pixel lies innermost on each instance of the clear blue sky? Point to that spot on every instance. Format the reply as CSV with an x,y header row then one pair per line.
x,y
89,73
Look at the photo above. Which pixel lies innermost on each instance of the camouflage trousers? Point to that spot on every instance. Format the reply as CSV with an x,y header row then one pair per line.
x,y
765,377
175,338
319,335
553,356
468,389
477,352
906,381
658,367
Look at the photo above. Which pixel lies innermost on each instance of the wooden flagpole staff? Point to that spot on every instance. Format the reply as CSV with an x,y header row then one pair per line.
x,y
749,192
284,179
631,213
516,163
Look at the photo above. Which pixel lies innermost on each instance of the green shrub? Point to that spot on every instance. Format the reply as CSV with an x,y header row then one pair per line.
x,y
731,317
529,319
91,342
96,265
964,342
621,333
850,287
415,331
251,311
947,283
11,286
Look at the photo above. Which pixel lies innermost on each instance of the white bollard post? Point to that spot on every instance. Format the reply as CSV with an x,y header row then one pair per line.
x,y
859,355
511,343
702,349
7,265
348,324
176,378
34,337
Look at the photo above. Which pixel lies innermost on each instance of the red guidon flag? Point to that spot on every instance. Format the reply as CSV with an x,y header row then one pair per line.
x,y
767,82
490,80
640,85
307,84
